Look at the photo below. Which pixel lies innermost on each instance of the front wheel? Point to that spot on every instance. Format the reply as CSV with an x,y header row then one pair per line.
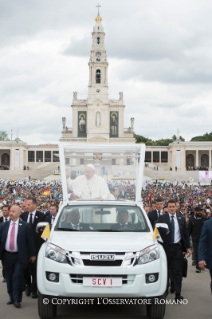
x,y
156,310
46,310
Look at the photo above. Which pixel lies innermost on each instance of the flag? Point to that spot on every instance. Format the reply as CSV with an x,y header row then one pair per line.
x,y
47,192
150,198
160,228
46,232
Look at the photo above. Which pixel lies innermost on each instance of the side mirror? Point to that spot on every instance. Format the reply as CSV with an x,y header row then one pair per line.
x,y
40,227
162,227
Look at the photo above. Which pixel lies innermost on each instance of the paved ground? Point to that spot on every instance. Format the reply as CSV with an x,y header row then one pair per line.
x,y
195,289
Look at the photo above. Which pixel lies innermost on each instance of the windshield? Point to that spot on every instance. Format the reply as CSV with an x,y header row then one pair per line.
x,y
102,218
94,172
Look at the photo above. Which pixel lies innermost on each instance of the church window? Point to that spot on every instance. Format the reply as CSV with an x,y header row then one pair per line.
x,y
98,40
31,156
56,156
98,119
39,156
48,156
98,76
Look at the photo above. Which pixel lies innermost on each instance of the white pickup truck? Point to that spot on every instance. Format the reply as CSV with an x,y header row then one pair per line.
x,y
102,248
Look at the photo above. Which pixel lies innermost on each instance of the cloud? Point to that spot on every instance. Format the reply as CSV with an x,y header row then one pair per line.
x,y
159,54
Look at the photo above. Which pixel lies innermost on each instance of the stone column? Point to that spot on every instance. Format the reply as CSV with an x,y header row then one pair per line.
x,y
12,159
197,158
183,159
209,160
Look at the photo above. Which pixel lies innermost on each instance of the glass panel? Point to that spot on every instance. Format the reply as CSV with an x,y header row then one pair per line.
x,y
164,157
39,156
156,157
98,40
56,156
148,157
102,218
98,178
31,156
48,156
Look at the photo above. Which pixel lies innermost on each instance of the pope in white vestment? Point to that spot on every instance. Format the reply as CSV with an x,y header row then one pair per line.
x,y
89,186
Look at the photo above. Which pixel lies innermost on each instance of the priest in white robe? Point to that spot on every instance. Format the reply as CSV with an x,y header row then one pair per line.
x,y
88,186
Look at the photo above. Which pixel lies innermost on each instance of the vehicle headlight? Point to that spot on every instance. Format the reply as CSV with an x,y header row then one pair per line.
x,y
148,254
56,253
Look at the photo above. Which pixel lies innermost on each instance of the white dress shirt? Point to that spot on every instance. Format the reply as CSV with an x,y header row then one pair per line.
x,y
177,236
33,216
4,219
7,244
159,212
75,226
52,220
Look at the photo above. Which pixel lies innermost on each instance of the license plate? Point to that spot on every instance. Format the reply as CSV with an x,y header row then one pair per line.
x,y
102,282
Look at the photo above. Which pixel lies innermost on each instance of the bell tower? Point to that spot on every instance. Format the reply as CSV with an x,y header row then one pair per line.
x,y
98,65
98,119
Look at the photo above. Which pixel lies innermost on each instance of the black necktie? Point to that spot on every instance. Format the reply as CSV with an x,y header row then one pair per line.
x,y
172,229
5,219
30,219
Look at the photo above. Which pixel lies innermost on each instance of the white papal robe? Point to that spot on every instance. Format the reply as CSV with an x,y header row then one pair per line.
x,y
93,188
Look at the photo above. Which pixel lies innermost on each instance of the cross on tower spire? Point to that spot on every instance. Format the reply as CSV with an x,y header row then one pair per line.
x,y
98,8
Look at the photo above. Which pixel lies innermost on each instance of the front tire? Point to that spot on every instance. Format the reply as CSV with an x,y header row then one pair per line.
x,y
46,310
156,311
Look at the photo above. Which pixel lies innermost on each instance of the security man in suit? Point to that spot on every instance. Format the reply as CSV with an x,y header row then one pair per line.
x,y
195,225
155,214
123,221
176,244
53,213
205,247
16,250
72,221
33,217
3,219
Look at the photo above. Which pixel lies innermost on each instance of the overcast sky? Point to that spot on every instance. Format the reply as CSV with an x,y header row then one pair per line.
x,y
159,54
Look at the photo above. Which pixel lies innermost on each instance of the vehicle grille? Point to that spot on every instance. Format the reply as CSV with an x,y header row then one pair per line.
x,y
107,263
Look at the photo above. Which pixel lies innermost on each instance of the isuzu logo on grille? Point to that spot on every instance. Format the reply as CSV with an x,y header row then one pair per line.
x,y
102,257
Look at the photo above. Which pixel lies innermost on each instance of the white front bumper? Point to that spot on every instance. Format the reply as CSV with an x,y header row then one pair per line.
x,y
136,286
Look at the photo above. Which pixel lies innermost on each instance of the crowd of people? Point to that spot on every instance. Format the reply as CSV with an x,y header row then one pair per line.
x,y
35,201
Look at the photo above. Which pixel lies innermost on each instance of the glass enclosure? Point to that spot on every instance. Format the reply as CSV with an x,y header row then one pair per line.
x,y
101,172
105,218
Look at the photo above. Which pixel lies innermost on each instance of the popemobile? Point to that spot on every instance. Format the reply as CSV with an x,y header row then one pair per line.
x,y
101,243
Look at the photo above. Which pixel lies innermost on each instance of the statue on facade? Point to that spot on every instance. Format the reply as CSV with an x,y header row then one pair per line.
x,y
178,134
75,95
121,96
64,122
132,124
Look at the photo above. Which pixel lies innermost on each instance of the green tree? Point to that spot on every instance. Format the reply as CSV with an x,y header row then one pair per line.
x,y
4,136
161,142
207,137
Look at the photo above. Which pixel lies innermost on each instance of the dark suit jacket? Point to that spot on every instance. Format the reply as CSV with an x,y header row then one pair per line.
x,y
205,244
68,225
183,232
153,217
118,225
25,241
1,220
39,217
49,219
